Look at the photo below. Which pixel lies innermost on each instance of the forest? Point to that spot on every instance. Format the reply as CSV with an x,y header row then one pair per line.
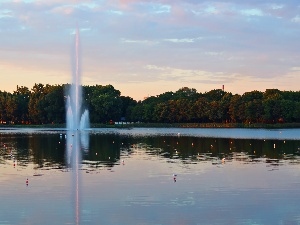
x,y
45,104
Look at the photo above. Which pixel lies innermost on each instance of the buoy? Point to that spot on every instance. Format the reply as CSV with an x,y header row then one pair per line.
x,y
27,181
174,177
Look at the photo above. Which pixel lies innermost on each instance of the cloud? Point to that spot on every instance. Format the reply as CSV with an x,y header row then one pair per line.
x,y
296,19
252,12
193,76
147,42
187,41
183,40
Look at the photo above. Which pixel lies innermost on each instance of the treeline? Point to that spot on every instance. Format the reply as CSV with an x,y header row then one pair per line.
x,y
45,104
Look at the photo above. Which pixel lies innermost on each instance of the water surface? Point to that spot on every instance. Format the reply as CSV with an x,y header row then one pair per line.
x,y
127,177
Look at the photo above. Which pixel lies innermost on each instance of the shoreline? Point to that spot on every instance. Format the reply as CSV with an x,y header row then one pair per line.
x,y
166,125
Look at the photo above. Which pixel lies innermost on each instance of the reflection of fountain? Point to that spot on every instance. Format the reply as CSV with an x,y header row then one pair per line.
x,y
77,124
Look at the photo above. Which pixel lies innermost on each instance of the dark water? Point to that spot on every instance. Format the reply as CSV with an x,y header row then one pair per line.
x,y
127,177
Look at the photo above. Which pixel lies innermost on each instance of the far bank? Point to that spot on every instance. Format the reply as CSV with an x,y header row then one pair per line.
x,y
166,125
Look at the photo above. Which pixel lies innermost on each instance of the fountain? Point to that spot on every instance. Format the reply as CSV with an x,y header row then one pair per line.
x,y
76,120
77,125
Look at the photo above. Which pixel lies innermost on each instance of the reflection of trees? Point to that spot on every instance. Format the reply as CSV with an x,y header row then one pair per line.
x,y
105,149
240,149
47,150
15,146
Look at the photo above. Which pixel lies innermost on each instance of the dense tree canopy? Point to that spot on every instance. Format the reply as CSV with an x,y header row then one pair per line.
x,y
45,104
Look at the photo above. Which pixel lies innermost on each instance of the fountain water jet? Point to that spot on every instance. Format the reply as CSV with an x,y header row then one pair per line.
x,y
77,125
77,122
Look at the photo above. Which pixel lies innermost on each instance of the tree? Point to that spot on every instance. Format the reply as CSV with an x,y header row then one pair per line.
x,y
22,98
162,112
107,103
183,108
288,108
8,107
224,106
236,110
166,96
36,108
127,106
272,106
46,104
200,110
148,109
137,112
214,95
214,111
54,104
253,106
186,93
3,116
254,111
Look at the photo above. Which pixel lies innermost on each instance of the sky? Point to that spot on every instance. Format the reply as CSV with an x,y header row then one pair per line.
x,y
149,47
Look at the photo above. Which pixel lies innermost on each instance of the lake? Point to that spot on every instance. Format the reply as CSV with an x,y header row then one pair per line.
x,y
144,176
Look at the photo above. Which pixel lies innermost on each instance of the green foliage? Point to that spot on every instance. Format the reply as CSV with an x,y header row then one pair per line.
x,y
128,105
236,109
8,107
45,104
36,110
253,106
106,103
199,110
54,104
